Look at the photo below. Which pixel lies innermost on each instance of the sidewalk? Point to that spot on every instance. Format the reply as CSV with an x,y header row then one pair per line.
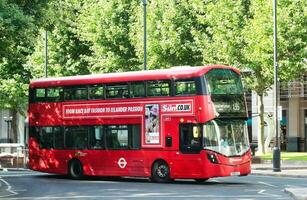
x,y
293,169
288,169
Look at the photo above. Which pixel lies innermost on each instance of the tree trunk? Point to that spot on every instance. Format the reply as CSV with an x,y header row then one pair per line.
x,y
13,128
261,149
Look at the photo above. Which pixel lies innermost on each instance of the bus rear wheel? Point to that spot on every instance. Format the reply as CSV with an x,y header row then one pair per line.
x,y
160,172
75,169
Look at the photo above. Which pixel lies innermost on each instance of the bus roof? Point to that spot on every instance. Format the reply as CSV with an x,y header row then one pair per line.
x,y
159,74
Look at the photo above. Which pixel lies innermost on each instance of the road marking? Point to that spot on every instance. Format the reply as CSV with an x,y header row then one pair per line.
x,y
8,189
143,197
267,184
261,192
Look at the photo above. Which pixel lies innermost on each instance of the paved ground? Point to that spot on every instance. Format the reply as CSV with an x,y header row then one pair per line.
x,y
290,183
288,169
28,185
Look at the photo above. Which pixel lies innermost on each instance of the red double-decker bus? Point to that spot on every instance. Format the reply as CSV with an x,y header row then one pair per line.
x,y
184,122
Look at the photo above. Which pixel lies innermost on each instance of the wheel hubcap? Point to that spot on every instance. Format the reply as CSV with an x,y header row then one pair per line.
x,y
162,171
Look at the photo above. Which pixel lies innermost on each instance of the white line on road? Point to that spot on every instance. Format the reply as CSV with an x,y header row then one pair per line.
x,y
267,184
143,197
8,189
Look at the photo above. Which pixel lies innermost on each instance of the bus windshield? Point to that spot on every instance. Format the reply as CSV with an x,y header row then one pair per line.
x,y
224,81
227,137
226,90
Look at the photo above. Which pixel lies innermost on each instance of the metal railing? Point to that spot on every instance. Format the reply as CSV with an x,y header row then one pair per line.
x,y
13,155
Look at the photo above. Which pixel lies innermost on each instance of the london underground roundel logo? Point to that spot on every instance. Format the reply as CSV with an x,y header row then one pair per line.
x,y
122,163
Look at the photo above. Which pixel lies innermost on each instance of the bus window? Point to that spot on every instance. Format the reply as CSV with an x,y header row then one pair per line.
x,y
158,88
58,138
190,138
46,138
54,94
135,137
117,137
185,87
96,137
137,89
223,81
117,91
75,93
96,92
40,94
76,137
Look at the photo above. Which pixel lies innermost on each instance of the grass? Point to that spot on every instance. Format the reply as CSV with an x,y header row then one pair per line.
x,y
297,156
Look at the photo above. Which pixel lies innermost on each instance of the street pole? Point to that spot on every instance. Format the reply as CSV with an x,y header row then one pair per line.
x,y
46,53
276,150
145,36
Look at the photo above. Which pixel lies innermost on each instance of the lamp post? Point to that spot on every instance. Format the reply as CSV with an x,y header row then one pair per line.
x,y
46,53
145,35
276,149
8,120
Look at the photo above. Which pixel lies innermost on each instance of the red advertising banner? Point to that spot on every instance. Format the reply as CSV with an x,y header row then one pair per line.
x,y
125,109
101,110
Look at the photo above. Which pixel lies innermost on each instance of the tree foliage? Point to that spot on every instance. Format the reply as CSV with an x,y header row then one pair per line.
x,y
17,33
108,26
67,53
91,36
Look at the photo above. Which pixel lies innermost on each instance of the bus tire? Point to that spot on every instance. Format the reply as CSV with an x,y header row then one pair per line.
x,y
160,172
75,169
201,180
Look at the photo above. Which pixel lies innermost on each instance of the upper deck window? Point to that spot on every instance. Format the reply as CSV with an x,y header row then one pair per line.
x,y
117,91
137,89
75,93
223,81
158,88
96,92
54,94
185,87
40,93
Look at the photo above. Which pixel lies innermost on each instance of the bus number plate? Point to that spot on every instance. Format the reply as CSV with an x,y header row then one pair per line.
x,y
235,174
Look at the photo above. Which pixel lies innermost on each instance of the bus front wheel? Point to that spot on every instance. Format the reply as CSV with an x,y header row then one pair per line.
x,y
75,169
160,172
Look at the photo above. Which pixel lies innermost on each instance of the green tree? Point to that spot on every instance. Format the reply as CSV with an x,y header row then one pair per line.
x,y
67,53
258,53
108,26
224,42
18,25
172,26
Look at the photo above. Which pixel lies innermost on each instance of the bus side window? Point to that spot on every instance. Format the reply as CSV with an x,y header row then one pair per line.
x,y
117,137
185,87
76,137
190,138
117,91
54,94
97,137
96,92
46,138
40,95
158,88
75,93
134,136
137,89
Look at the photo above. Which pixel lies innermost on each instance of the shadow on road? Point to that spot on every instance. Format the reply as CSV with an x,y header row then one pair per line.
x,y
144,180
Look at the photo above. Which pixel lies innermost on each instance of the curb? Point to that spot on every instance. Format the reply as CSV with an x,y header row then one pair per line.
x,y
278,174
283,168
296,193
13,169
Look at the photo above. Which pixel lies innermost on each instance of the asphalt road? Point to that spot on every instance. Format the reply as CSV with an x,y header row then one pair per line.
x,y
28,185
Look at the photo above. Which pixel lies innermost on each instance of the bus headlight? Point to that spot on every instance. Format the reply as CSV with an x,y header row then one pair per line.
x,y
212,158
